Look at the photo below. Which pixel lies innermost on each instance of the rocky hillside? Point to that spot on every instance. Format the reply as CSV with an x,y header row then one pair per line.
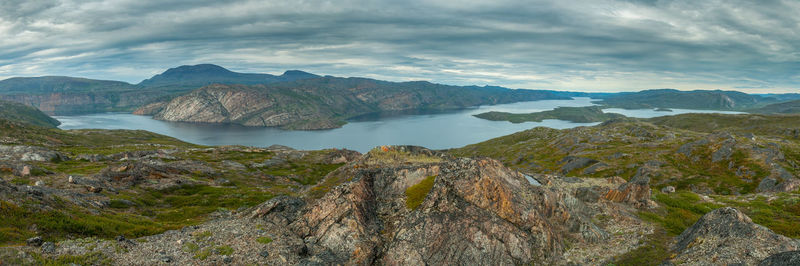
x,y
26,114
321,103
136,198
699,99
695,163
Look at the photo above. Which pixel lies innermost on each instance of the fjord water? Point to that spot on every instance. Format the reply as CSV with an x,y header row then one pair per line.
x,y
432,130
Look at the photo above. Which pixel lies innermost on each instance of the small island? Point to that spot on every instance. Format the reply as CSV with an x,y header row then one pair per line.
x,y
588,114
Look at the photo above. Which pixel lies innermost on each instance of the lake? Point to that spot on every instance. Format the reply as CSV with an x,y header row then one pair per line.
x,y
440,130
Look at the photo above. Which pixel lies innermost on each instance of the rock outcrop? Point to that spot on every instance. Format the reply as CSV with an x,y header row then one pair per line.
x,y
30,153
782,259
726,236
477,212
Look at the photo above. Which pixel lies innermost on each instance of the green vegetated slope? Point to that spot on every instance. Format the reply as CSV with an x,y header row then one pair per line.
x,y
712,160
136,183
573,114
699,99
791,107
23,113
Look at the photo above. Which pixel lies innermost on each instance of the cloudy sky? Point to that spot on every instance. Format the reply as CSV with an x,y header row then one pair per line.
x,y
592,45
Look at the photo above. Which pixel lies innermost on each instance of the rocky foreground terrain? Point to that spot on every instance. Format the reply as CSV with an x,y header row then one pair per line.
x,y
624,193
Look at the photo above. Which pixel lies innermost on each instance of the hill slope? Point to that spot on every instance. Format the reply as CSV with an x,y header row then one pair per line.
x,y
197,76
699,99
791,107
326,102
26,114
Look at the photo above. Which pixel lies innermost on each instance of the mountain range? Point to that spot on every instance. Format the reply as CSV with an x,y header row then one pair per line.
x,y
209,93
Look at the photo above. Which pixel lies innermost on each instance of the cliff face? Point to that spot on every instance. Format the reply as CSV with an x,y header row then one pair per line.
x,y
321,103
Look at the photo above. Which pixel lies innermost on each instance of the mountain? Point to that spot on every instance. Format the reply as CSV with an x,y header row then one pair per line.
x,y
58,84
69,95
791,107
26,114
206,74
698,99
325,102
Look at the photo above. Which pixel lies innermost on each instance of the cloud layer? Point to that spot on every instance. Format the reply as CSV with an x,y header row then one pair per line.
x,y
592,45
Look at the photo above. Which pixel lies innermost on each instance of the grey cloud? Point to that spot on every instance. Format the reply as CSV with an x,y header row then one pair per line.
x,y
576,45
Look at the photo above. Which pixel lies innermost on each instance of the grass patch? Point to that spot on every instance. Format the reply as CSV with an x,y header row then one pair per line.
x,y
202,254
654,250
391,155
200,236
264,240
224,250
67,220
681,210
416,194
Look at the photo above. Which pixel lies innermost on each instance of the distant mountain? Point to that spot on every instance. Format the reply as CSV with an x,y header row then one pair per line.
x,y
326,102
698,99
792,107
26,114
68,95
58,84
206,74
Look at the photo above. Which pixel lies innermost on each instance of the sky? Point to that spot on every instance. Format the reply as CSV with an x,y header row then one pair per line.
x,y
597,45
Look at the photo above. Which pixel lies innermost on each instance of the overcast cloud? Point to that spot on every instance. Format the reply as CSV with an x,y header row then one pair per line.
x,y
568,45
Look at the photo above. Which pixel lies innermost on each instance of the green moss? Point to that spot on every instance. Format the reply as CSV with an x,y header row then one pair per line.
x,y
264,240
190,247
224,250
390,155
416,194
92,258
202,254
200,236
67,220
19,181
653,251
680,210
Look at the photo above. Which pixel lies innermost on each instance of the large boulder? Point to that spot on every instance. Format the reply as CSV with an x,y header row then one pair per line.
x,y
726,236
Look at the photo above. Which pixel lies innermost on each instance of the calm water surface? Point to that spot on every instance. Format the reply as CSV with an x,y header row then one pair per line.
x,y
435,130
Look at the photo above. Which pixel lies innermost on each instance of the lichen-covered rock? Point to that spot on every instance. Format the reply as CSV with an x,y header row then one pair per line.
x,y
782,259
30,153
635,192
727,236
571,163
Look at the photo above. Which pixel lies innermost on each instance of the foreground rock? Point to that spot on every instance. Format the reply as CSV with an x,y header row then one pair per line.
x,y
473,211
727,236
